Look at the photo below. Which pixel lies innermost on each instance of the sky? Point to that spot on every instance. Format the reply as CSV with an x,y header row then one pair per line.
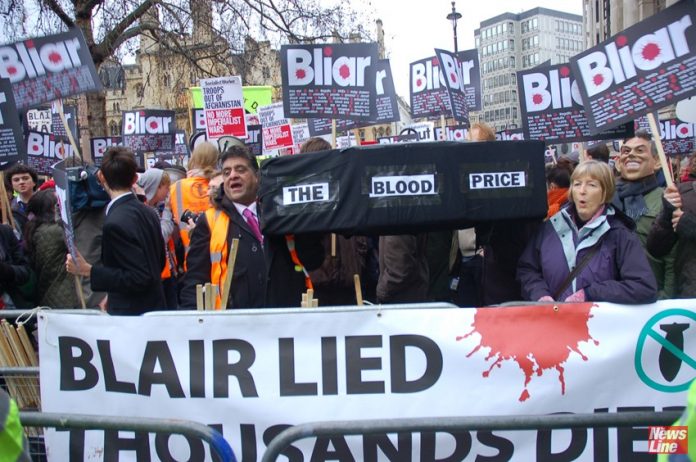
x,y
413,28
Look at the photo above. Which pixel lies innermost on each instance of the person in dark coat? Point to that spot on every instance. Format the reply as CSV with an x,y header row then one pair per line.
x,y
14,268
404,275
265,274
133,249
45,244
675,226
616,270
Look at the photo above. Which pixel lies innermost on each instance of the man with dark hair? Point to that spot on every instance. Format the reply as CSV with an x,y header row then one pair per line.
x,y
133,249
266,273
598,151
23,180
639,196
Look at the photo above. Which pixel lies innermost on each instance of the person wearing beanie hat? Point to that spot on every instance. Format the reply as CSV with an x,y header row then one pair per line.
x,y
155,184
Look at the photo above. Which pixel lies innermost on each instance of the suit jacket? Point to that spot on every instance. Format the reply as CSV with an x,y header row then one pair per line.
x,y
264,275
133,258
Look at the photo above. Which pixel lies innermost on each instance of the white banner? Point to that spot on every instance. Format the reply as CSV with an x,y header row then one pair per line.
x,y
251,374
276,131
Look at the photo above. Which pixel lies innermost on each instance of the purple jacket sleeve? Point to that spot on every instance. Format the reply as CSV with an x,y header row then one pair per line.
x,y
636,282
529,271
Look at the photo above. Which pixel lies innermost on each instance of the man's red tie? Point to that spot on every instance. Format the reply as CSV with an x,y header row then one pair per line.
x,y
253,224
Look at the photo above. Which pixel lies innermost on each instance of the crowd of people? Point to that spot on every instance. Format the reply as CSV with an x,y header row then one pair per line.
x,y
613,233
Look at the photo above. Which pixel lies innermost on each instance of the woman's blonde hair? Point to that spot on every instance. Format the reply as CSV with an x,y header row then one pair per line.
x,y
204,157
598,171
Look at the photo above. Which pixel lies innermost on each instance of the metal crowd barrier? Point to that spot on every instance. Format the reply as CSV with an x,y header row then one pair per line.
x,y
518,422
217,442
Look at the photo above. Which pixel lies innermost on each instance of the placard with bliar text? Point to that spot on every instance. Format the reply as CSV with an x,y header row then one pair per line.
x,y
149,130
11,139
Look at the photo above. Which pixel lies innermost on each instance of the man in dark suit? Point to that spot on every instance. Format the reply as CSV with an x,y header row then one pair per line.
x,y
264,274
132,246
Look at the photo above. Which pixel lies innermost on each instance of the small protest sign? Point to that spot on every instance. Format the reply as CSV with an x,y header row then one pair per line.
x,y
57,128
60,176
275,128
45,149
40,120
149,130
552,108
253,140
406,138
428,90
11,140
224,107
198,118
510,135
300,134
647,66
471,76
455,133
424,130
99,145
43,69
677,135
329,80
452,71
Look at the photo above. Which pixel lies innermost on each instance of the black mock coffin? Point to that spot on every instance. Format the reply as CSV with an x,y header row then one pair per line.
x,y
402,188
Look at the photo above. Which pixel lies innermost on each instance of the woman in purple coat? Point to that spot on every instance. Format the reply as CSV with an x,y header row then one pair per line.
x,y
590,234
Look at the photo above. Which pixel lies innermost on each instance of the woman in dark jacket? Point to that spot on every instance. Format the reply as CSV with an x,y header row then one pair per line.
x,y
45,243
591,233
14,269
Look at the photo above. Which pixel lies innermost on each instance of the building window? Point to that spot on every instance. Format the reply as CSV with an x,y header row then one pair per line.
x,y
511,28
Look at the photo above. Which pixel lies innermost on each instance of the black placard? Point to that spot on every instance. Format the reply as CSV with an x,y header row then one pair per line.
x,y
452,71
510,135
329,80
149,130
57,127
650,65
471,74
552,108
99,145
11,141
429,96
43,69
45,149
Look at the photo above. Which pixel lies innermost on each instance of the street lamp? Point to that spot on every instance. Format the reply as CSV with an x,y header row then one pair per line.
x,y
454,17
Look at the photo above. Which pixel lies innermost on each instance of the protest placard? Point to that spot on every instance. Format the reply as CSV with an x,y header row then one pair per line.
x,y
471,75
45,149
300,134
552,108
57,127
254,141
149,130
428,90
407,138
40,120
329,80
224,107
452,70
386,106
275,128
455,133
677,135
509,135
11,139
43,69
99,145
647,66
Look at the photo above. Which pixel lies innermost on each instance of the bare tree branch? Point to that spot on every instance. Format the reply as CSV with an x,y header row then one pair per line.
x,y
58,10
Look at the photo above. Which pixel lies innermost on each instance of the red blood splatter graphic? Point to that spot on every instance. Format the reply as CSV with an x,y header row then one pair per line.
x,y
537,338
650,51
435,61
598,79
36,147
11,70
29,43
300,73
328,51
564,71
537,98
457,134
419,82
153,125
684,130
129,127
344,71
55,57
142,113
453,77
621,40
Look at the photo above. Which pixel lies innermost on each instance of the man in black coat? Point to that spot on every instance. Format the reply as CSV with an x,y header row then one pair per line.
x,y
132,246
264,273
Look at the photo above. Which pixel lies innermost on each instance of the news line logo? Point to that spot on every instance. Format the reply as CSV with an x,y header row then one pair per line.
x,y
668,440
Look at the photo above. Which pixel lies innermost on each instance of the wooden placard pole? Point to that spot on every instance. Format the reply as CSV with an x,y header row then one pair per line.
x,y
61,114
228,277
660,150
333,145
443,134
200,304
358,290
7,217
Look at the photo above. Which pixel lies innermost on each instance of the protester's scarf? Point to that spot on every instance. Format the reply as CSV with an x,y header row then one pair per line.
x,y
556,198
629,196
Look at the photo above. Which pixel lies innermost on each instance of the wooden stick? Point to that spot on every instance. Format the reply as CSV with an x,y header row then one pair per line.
x,y
28,347
7,359
207,296
356,133
29,396
315,303
68,131
358,290
333,133
310,297
7,217
443,134
660,150
333,244
231,260
303,304
200,306
80,293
